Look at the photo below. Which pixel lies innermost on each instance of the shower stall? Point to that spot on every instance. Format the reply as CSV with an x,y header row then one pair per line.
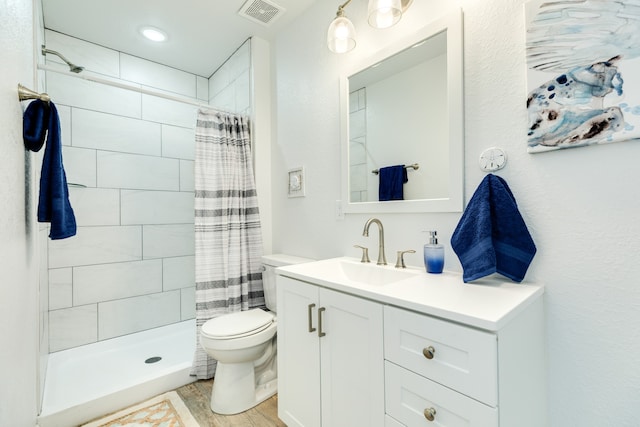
x,y
119,297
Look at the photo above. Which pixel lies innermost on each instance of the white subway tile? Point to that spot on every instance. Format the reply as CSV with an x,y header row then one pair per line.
x,y
157,75
242,92
357,151
156,207
109,132
106,282
80,93
160,241
178,142
95,206
357,124
72,327
187,180
97,245
225,100
79,165
188,303
202,88
64,114
178,272
240,61
219,80
60,288
170,112
88,55
117,170
136,314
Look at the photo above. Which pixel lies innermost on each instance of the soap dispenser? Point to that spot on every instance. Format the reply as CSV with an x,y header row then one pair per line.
x,y
433,254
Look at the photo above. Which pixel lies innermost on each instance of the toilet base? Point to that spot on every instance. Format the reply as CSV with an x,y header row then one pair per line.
x,y
235,390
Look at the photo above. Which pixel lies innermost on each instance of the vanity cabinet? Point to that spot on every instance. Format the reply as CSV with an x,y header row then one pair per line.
x,y
330,357
422,351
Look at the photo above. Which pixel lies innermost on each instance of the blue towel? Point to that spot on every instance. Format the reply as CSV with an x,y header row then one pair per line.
x,y
491,235
41,118
392,179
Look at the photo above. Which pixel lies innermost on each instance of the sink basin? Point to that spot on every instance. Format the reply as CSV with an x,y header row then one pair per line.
x,y
372,274
349,272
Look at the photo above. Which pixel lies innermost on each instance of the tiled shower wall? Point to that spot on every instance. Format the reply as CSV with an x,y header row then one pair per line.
x,y
131,265
358,167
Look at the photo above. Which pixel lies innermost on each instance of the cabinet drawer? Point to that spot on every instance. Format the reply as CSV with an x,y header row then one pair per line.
x,y
390,422
408,395
464,359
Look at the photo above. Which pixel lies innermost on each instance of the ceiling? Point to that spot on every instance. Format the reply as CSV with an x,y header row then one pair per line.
x,y
202,34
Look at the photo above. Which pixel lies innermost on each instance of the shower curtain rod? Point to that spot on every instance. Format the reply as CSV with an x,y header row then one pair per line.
x,y
132,87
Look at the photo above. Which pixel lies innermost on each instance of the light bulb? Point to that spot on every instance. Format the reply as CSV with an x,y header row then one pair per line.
x,y
153,34
341,36
384,13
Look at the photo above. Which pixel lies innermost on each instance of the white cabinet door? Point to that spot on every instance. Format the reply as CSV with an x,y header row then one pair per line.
x,y
298,354
330,358
352,361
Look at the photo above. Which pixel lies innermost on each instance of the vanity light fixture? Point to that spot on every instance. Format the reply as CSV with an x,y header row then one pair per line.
x,y
384,13
153,34
341,36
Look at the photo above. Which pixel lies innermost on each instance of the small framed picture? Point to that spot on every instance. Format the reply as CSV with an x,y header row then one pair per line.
x,y
296,182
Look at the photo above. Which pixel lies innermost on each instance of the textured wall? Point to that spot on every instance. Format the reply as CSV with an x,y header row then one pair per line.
x,y
580,205
18,230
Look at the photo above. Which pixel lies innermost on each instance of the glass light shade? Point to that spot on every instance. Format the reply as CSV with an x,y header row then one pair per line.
x,y
384,13
341,36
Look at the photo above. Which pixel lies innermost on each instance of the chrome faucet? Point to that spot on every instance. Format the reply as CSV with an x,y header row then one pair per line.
x,y
382,259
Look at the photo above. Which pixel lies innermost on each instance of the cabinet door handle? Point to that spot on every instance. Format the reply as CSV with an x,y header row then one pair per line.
x,y
320,332
310,317
430,414
428,352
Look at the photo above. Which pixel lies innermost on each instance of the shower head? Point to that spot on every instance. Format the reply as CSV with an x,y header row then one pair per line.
x,y
72,67
75,68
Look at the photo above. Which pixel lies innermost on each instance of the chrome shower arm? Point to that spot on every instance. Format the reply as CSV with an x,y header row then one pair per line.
x,y
73,67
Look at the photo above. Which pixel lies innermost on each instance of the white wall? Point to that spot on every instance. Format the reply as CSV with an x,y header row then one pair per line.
x,y
18,229
580,205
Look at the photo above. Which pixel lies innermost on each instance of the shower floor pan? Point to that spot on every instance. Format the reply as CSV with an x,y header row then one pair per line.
x,y
90,381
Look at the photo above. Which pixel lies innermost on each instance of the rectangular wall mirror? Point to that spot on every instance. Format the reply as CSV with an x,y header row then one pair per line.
x,y
404,106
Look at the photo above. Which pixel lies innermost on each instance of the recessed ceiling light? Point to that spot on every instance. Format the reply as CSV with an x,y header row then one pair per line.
x,y
153,34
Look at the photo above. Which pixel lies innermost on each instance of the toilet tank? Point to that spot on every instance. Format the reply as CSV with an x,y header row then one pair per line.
x,y
269,276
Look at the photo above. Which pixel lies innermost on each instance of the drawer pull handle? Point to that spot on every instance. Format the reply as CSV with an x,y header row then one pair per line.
x,y
430,414
310,320
428,352
321,333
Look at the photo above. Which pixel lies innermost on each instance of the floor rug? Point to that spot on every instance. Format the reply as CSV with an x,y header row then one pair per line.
x,y
166,410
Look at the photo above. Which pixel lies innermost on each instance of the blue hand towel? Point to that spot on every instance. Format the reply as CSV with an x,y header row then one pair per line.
x,y
53,201
392,179
491,235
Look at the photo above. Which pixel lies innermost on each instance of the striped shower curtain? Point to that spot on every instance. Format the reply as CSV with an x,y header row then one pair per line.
x,y
227,225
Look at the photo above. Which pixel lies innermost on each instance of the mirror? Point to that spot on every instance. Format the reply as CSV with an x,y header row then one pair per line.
x,y
404,106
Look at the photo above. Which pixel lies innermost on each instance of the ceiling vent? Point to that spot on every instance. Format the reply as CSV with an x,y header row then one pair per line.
x,y
261,11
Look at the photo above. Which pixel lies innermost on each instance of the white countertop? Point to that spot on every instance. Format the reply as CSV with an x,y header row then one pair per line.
x,y
486,303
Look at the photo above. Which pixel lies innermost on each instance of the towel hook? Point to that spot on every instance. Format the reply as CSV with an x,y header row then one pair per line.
x,y
24,93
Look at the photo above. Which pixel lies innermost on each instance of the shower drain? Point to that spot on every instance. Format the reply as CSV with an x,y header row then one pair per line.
x,y
153,359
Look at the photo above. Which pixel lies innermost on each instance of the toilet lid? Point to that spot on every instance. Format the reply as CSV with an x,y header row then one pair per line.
x,y
238,324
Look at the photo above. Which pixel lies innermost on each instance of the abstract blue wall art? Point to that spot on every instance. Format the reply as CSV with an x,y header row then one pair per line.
x,y
583,72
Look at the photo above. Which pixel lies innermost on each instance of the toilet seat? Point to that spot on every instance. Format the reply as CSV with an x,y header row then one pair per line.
x,y
238,325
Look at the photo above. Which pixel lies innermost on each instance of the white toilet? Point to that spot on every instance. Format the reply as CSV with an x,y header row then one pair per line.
x,y
244,344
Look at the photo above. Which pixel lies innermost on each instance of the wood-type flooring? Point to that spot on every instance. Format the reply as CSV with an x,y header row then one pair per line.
x,y
198,394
